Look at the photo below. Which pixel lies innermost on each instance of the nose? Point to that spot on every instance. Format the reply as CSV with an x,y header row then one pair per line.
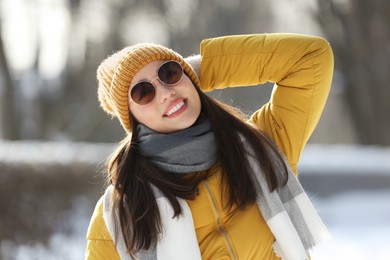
x,y
163,91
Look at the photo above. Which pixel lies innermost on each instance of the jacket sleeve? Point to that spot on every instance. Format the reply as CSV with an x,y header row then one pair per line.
x,y
301,67
100,245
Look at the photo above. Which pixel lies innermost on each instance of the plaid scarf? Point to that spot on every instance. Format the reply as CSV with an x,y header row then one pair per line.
x,y
288,212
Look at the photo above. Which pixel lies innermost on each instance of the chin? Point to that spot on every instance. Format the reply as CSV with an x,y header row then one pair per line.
x,y
192,121
184,125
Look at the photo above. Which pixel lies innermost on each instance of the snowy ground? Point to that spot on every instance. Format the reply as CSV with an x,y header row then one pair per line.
x,y
359,224
358,214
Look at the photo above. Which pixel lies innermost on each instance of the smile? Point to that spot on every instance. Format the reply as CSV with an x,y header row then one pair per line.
x,y
175,108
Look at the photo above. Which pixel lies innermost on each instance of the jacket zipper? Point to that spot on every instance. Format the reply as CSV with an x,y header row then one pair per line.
x,y
220,228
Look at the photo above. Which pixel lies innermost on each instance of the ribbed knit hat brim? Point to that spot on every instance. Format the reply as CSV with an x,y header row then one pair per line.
x,y
116,72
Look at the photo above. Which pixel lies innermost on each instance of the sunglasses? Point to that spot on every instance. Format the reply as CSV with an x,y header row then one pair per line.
x,y
169,73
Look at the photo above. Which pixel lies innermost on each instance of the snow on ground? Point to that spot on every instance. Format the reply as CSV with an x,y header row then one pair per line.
x,y
61,246
359,223
359,220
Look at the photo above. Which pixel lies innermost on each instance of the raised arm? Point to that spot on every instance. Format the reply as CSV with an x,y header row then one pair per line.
x,y
301,67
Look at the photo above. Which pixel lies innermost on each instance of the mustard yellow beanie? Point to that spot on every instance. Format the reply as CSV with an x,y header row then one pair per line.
x,y
117,71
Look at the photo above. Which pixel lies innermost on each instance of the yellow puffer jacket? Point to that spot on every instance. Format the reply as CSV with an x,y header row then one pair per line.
x,y
301,66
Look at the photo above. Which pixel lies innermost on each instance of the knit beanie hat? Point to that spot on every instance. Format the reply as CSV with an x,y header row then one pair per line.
x,y
117,71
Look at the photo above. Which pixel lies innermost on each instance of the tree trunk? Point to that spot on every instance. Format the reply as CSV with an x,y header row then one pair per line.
x,y
358,32
8,116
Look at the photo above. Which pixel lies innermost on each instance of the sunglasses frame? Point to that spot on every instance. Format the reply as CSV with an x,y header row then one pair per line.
x,y
154,86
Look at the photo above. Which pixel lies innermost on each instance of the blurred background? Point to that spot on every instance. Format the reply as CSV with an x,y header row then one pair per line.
x,y
54,138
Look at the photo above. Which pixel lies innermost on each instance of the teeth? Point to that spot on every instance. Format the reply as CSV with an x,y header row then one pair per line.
x,y
175,108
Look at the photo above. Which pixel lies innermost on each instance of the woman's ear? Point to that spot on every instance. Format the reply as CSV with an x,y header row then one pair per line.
x,y
194,61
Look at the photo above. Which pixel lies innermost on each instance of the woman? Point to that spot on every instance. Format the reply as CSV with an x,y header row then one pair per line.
x,y
193,178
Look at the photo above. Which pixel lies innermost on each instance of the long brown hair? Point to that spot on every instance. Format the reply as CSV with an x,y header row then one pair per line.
x,y
133,175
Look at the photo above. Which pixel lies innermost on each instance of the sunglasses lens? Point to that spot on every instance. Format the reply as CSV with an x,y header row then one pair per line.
x,y
170,72
143,93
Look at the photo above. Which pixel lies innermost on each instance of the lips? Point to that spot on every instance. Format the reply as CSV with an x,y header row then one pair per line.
x,y
176,107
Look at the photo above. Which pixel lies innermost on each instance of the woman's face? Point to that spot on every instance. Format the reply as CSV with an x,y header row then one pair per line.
x,y
173,108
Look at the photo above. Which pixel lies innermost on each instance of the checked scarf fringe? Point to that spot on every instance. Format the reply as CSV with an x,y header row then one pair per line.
x,y
288,212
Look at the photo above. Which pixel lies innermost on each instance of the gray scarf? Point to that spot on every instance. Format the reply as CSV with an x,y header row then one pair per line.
x,y
189,150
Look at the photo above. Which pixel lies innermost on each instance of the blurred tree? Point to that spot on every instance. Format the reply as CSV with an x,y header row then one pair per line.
x,y
359,33
8,116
